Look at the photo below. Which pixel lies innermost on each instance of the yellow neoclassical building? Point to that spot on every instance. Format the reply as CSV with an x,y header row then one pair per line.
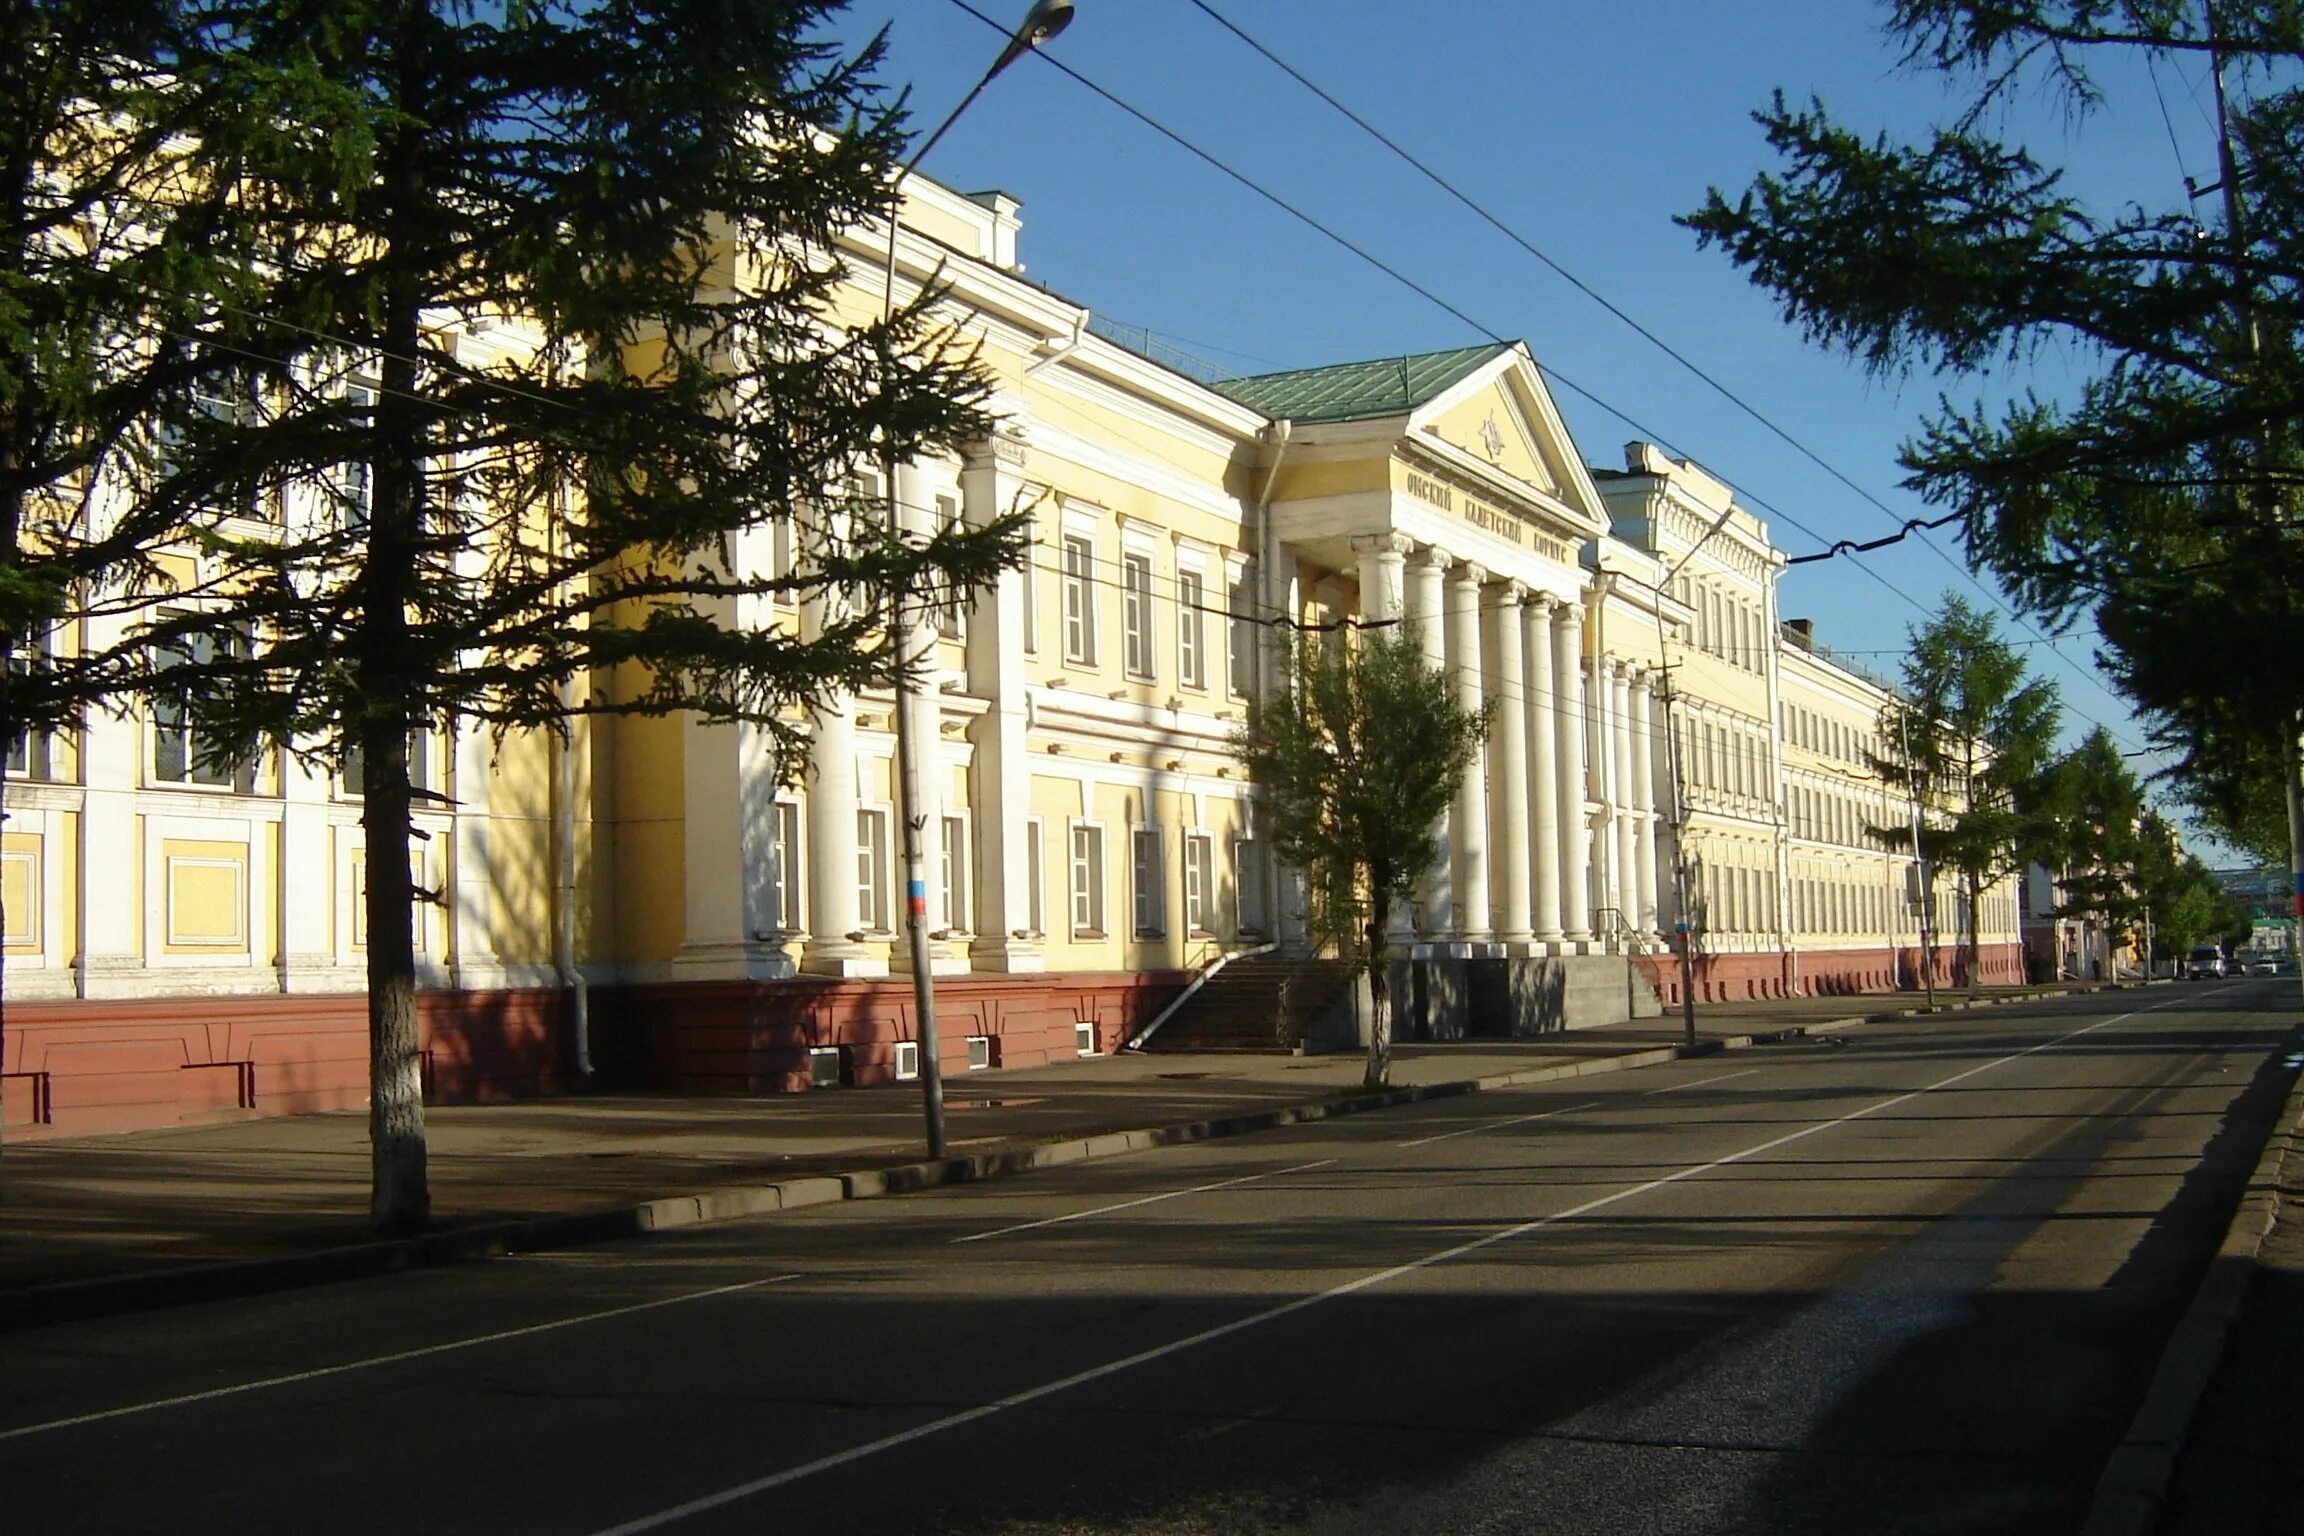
x,y
655,901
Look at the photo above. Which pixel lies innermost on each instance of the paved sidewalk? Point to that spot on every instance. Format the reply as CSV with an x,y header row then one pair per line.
x,y
97,1224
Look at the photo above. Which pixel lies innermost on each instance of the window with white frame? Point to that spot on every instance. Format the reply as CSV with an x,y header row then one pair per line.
x,y
783,539
1146,882
785,850
1035,874
1136,613
952,875
28,751
1191,629
1199,882
351,487
1080,599
872,869
951,621
1087,880
424,766
1029,579
182,753
221,405
1240,635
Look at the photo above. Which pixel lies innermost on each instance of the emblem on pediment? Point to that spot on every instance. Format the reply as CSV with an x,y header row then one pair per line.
x,y
1492,438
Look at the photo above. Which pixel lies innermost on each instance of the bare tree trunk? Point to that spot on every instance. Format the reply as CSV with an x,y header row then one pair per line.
x,y
400,1197
1379,1071
1975,933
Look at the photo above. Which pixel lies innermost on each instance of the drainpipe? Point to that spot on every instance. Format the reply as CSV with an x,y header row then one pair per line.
x,y
1267,580
564,938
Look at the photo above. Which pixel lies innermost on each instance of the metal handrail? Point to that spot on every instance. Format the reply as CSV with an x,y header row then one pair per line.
x,y
1136,1041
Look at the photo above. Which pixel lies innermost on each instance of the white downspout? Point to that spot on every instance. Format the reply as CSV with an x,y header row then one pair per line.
x,y
564,937
1267,577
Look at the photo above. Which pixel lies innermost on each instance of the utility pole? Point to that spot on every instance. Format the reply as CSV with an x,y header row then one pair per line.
x,y
910,641
1684,918
1926,904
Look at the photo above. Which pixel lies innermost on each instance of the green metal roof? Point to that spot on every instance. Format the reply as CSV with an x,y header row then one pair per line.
x,y
1387,386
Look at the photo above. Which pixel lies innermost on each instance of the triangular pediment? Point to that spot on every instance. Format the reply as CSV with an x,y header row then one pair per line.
x,y
1502,422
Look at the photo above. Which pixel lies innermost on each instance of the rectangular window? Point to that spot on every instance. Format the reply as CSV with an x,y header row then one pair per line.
x,y
28,751
424,771
952,872
781,538
1145,887
1240,636
786,853
354,492
1080,600
1191,630
1136,614
1199,882
950,621
182,753
872,869
1088,882
1035,898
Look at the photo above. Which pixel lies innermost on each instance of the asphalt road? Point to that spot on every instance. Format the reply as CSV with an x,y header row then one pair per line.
x,y
1913,1283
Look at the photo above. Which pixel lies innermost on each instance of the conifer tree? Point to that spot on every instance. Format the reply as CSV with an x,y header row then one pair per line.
x,y
551,343
2160,496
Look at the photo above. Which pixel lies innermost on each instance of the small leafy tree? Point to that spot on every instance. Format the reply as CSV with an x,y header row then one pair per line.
x,y
1359,754
1970,736
2096,830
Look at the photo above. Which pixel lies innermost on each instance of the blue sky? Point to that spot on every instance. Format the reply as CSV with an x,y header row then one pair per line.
x,y
1584,128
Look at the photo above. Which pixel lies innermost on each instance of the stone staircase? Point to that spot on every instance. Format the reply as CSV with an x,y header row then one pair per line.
x,y
1255,1005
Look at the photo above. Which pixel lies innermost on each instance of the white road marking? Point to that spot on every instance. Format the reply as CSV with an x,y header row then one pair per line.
x,y
1702,1082
1496,1125
25,1430
1106,1210
773,1480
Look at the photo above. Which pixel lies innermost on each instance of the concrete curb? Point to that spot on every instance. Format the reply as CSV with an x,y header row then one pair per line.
x,y
74,1301
2134,1487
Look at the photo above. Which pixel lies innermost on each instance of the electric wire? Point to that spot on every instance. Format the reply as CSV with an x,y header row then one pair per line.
x,y
1230,172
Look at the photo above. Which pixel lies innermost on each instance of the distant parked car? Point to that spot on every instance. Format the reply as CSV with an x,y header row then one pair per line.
x,y
2206,964
2264,965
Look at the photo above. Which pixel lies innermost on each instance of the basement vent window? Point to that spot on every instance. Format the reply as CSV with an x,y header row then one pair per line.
x,y
823,1066
907,1060
979,1052
1084,1037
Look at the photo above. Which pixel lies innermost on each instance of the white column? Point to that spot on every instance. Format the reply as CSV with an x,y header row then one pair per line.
x,y
1568,706
1543,766
307,870
924,715
473,945
1431,567
1384,595
1383,569
1000,792
1644,748
1508,757
1468,822
1626,817
1600,785
832,885
1428,590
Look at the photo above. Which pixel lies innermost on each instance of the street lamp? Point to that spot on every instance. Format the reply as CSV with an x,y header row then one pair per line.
x,y
1042,22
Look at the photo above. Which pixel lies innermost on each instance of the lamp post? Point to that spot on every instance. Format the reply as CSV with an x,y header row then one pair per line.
x,y
1042,22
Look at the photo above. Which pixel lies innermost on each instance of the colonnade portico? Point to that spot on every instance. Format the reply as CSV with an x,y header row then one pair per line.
x,y
1564,785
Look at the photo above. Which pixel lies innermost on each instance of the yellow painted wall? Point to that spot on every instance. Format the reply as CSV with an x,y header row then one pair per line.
x,y
21,860
1466,427
206,888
